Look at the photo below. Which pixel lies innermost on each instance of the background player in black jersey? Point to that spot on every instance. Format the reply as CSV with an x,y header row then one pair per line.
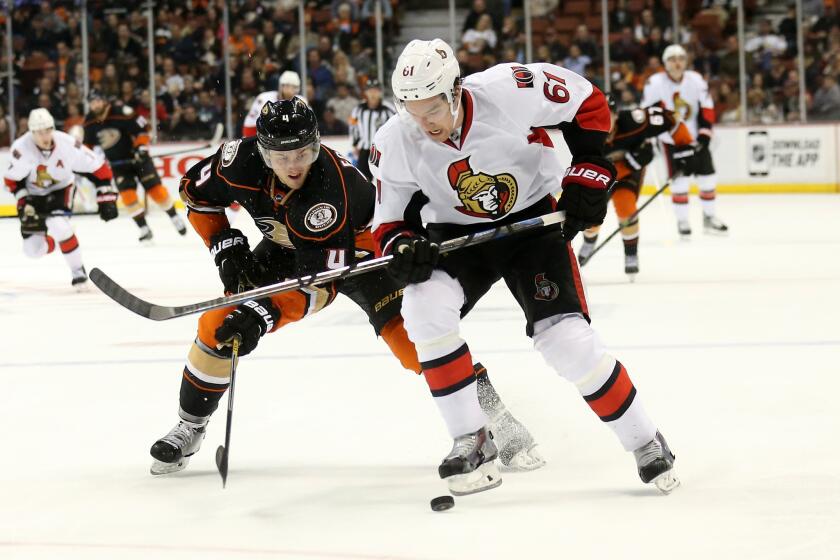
x,y
629,148
124,137
313,208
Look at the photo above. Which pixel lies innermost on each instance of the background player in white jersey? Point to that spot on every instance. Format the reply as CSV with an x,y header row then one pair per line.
x,y
41,176
460,158
288,86
686,93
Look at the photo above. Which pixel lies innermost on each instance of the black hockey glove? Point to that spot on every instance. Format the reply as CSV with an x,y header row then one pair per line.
x,y
31,221
248,322
106,200
586,190
413,259
640,156
234,260
684,157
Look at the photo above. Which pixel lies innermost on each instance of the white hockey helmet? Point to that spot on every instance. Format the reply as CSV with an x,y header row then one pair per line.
x,y
672,51
40,119
426,69
288,78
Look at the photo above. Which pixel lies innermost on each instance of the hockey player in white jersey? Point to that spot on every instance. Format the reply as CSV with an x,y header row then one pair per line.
x,y
288,86
41,176
686,93
463,156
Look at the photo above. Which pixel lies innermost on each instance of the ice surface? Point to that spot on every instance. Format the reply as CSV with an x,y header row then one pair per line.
x,y
733,343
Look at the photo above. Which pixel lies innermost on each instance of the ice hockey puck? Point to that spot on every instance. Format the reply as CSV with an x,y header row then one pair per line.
x,y
442,503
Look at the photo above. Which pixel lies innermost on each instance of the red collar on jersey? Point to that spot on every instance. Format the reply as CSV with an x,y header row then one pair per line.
x,y
467,102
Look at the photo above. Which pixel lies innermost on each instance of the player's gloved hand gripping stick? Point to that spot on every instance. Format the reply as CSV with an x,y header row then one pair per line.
x,y
163,312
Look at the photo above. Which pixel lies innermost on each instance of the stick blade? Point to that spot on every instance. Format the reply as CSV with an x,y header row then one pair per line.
x,y
222,463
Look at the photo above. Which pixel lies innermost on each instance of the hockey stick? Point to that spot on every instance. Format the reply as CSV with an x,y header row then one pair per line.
x,y
629,220
163,313
217,137
223,451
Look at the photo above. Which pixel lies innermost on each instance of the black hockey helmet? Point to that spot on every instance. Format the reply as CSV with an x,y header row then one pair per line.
x,y
286,125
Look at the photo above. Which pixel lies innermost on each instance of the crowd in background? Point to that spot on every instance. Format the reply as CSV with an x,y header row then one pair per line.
x,y
341,57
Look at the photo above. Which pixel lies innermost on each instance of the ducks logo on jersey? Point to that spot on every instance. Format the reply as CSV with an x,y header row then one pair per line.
x,y
482,195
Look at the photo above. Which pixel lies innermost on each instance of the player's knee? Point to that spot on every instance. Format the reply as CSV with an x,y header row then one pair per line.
x,y
160,195
432,309
624,201
34,246
569,345
128,197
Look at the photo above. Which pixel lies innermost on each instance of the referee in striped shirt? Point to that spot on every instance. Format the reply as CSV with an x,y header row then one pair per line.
x,y
365,120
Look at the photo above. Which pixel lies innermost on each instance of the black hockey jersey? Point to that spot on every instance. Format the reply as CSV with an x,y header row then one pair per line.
x,y
636,126
117,131
323,223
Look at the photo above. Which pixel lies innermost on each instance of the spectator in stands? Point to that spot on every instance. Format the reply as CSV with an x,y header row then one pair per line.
x,y
240,42
38,38
187,126
482,38
125,49
329,125
626,48
766,40
558,50
361,58
620,17
577,62
586,43
730,65
343,103
655,44
644,26
826,102
322,77
343,71
479,8
208,112
74,117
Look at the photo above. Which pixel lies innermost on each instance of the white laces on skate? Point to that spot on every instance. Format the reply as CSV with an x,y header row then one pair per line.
x,y
181,435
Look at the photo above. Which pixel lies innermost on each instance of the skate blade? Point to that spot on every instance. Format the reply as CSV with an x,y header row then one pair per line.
x,y
485,477
715,232
82,288
159,467
631,276
667,482
524,461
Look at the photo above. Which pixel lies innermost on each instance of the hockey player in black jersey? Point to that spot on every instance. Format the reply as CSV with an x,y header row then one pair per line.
x,y
124,137
629,148
313,208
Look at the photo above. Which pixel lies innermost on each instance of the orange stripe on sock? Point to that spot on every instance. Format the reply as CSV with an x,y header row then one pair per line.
x,y
69,245
193,382
450,373
679,198
610,398
707,195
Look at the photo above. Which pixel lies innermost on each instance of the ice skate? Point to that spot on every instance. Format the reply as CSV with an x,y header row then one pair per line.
x,y
631,266
80,279
178,222
713,225
517,448
469,467
586,249
656,464
146,234
684,228
172,452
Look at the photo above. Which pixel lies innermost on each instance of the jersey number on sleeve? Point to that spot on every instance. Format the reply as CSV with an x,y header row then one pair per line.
x,y
336,258
204,175
555,92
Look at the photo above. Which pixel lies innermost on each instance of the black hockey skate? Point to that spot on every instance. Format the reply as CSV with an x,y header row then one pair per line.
x,y
713,225
656,464
178,222
631,266
469,467
80,279
146,234
172,452
517,448
684,228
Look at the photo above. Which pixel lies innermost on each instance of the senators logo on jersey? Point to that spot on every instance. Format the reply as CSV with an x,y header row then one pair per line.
x,y
43,179
482,195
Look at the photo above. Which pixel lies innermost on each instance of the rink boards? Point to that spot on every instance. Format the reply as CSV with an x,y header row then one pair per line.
x,y
765,159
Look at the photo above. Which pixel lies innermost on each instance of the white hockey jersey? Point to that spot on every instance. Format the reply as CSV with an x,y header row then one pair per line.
x,y
504,162
249,126
689,98
46,172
